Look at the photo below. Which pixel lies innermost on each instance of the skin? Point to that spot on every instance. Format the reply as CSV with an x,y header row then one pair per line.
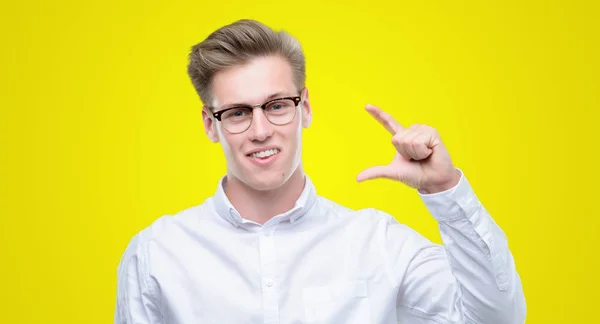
x,y
262,192
257,192
421,160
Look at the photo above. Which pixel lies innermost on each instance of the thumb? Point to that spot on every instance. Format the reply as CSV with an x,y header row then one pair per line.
x,y
376,172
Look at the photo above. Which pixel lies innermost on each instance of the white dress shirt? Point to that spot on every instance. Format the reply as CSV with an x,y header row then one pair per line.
x,y
320,262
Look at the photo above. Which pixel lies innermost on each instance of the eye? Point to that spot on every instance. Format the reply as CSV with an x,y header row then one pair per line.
x,y
236,114
280,105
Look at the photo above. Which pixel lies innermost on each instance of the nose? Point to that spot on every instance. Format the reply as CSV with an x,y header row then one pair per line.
x,y
261,127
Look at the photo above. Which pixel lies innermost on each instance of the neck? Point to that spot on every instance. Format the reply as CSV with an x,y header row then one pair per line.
x,y
262,205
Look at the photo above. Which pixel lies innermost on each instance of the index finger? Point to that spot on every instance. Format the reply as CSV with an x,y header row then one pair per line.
x,y
384,119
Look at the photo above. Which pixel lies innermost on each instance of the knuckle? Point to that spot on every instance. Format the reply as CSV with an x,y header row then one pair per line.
x,y
432,130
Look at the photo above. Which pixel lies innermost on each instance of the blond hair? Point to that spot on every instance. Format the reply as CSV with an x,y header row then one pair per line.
x,y
236,44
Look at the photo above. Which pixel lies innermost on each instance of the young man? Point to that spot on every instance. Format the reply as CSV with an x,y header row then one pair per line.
x,y
267,249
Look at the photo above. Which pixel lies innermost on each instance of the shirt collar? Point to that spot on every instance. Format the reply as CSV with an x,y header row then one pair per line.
x,y
226,210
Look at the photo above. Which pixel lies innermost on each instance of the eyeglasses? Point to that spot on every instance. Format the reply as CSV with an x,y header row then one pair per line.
x,y
278,111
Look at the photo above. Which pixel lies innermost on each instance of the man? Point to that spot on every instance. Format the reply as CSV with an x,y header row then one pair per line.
x,y
266,249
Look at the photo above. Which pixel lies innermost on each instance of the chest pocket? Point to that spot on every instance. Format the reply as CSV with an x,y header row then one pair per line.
x,y
344,302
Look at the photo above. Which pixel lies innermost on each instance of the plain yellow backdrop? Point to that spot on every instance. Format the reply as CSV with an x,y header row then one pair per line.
x,y
101,131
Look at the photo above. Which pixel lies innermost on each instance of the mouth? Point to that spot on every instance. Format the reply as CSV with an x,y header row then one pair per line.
x,y
263,158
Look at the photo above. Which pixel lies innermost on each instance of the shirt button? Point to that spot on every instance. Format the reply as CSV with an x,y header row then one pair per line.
x,y
269,282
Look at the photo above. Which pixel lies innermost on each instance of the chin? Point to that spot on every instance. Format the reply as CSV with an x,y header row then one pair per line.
x,y
265,180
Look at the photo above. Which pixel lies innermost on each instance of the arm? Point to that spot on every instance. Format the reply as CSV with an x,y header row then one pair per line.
x,y
136,296
472,277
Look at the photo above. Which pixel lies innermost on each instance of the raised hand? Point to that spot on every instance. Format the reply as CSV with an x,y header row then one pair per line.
x,y
421,161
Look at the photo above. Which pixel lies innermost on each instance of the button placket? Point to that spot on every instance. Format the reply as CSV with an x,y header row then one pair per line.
x,y
269,286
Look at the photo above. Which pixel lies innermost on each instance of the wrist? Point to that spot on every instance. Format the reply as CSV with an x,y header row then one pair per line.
x,y
442,186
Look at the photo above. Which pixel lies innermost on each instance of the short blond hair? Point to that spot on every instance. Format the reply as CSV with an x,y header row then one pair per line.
x,y
236,44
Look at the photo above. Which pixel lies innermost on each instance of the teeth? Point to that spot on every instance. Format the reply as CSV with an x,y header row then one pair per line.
x,y
264,154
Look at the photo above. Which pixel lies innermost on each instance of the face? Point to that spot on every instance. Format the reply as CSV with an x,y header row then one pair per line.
x,y
255,83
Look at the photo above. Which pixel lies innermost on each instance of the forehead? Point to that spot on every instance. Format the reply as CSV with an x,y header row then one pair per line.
x,y
253,82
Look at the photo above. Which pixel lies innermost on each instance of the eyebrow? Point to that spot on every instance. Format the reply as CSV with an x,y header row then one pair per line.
x,y
275,95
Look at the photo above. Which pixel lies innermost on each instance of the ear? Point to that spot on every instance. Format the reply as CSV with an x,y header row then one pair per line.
x,y
210,127
306,109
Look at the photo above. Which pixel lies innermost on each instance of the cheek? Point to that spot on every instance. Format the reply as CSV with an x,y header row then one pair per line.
x,y
227,142
298,132
293,134
294,141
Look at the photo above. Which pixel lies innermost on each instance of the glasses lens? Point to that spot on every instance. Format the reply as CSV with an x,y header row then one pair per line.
x,y
278,112
281,112
237,120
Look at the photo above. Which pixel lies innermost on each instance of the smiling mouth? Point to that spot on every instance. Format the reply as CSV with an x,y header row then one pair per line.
x,y
264,154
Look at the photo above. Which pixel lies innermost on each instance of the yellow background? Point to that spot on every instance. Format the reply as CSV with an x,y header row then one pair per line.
x,y
101,131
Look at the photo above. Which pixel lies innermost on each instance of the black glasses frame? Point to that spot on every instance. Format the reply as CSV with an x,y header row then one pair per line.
x,y
218,114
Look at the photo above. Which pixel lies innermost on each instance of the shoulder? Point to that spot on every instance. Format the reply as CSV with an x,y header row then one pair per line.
x,y
366,217
373,222
334,209
160,229
165,224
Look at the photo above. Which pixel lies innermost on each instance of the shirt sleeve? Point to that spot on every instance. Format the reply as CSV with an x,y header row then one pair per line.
x,y
136,297
470,279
